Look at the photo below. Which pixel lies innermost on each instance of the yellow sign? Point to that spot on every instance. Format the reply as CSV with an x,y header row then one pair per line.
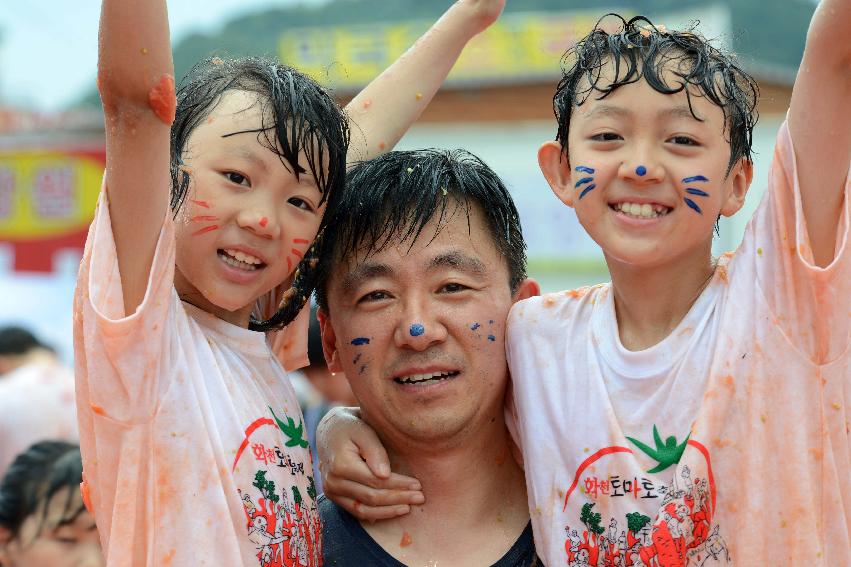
x,y
47,194
519,47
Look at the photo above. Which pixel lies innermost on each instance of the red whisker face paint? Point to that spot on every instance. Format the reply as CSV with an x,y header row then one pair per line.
x,y
300,241
162,100
204,204
297,252
202,218
206,229
263,222
289,264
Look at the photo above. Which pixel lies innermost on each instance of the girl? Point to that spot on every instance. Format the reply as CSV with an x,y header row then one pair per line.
x,y
193,443
42,517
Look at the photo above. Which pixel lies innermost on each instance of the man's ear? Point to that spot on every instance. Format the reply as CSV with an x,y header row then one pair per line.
x,y
556,169
738,182
329,341
527,288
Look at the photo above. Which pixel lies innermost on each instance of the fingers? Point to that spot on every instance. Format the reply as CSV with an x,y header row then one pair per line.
x,y
372,451
372,513
375,497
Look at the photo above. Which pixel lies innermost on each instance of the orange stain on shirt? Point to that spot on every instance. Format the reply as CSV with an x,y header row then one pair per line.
x,y
86,495
161,99
97,409
406,540
549,301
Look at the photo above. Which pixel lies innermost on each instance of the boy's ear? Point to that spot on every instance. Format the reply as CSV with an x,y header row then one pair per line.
x,y
527,288
329,341
556,169
739,180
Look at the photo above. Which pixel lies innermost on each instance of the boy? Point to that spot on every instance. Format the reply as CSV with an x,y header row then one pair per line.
x,y
652,411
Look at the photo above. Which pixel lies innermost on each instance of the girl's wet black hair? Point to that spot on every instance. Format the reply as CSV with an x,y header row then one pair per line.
x,y
37,475
640,50
303,119
394,196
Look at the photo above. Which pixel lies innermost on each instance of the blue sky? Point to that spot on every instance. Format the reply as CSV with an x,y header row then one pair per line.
x,y
48,48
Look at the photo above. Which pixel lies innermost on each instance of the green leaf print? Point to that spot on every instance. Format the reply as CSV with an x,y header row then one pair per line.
x,y
666,454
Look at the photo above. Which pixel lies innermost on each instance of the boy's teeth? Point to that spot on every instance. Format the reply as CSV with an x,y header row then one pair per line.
x,y
644,211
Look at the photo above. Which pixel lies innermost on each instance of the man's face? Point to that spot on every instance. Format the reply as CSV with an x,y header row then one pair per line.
x,y
420,332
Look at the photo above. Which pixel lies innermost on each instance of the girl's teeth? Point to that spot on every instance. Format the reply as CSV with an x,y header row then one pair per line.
x,y
228,259
243,257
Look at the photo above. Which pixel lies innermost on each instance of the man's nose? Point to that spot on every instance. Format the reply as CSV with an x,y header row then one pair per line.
x,y
420,327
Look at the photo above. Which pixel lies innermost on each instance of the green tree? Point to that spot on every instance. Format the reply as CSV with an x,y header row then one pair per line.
x,y
297,496
635,521
311,488
266,487
591,519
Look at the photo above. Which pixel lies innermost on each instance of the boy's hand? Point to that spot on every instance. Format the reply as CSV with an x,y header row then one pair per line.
x,y
356,470
483,13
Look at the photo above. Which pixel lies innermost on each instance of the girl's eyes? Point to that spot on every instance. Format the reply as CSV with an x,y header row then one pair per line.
x,y
237,178
300,203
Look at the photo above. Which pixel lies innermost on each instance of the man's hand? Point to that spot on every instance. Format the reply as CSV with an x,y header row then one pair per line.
x,y
356,470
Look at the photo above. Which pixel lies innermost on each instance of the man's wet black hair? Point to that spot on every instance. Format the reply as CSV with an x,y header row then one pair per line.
x,y
393,197
303,118
640,50
38,474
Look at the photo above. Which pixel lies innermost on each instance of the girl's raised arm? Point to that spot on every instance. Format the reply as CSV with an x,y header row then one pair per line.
x,y
136,84
383,111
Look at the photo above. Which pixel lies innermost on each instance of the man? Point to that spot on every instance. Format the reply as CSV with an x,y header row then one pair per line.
x,y
36,395
420,270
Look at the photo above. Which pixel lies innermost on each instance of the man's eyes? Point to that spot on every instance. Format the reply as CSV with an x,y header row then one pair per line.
x,y
453,287
374,296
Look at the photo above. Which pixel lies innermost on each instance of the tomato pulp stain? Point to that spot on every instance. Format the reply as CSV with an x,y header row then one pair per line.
x,y
161,99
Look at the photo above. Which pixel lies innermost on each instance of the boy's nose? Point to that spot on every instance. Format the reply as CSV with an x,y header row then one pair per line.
x,y
642,171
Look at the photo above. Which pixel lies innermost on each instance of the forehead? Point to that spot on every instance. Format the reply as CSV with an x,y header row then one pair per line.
x,y
461,241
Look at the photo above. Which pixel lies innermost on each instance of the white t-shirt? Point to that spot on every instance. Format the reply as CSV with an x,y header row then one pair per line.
x,y
193,443
727,441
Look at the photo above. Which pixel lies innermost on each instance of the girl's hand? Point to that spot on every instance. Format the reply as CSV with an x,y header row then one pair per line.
x,y
356,470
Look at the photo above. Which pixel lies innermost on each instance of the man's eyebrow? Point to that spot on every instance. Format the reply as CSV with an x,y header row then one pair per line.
x,y
365,271
458,260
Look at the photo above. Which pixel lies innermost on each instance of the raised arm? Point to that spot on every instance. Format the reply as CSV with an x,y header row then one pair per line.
x,y
135,79
383,111
820,123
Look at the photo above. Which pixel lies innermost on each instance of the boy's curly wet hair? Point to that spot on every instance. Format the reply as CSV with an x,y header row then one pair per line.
x,y
640,50
302,117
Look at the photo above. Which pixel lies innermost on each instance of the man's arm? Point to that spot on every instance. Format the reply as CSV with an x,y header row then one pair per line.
x,y
820,123
385,109
135,79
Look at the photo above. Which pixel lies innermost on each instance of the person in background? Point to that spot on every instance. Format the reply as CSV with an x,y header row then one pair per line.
x,y
36,395
43,519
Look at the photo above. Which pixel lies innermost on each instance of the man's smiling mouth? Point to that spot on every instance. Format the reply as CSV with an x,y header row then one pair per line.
x,y
425,378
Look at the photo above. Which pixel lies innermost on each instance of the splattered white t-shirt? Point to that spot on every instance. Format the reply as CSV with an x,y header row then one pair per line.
x,y
726,442
194,449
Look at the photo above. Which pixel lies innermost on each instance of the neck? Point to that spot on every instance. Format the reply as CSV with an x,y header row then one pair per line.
x,y
475,507
651,301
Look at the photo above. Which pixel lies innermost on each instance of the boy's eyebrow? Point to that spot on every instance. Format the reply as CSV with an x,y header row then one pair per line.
x,y
679,111
456,259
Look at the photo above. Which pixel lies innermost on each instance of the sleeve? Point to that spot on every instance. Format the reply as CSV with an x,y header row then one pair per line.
x,y
122,356
809,303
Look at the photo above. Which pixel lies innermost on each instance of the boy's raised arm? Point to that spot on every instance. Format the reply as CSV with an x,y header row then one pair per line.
x,y
383,111
820,123
135,79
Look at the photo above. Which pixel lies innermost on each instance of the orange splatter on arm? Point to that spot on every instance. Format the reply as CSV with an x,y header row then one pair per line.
x,y
162,100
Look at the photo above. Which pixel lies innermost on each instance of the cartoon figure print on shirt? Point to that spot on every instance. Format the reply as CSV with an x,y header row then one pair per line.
x,y
282,520
618,515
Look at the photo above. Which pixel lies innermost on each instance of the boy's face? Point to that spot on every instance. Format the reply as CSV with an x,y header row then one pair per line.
x,y
247,220
420,333
647,179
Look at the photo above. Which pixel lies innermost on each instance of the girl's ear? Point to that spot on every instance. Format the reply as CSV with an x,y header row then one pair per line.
x,y
556,169
737,185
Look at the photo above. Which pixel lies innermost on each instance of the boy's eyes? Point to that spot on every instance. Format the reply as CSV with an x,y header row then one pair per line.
x,y
606,137
683,141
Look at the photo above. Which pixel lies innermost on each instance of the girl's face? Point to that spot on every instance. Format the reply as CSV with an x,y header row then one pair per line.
x,y
61,538
247,220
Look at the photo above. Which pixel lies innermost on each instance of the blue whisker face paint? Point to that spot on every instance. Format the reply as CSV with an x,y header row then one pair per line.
x,y
359,341
641,171
692,205
584,180
491,338
416,330
474,326
694,191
